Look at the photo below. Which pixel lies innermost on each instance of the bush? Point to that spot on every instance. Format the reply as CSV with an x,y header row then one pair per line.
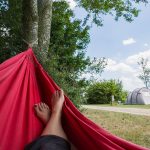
x,y
101,92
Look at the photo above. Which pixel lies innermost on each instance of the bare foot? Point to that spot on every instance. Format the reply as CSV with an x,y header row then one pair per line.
x,y
43,112
57,101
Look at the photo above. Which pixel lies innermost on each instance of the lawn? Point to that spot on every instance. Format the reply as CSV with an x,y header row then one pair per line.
x,y
123,106
133,128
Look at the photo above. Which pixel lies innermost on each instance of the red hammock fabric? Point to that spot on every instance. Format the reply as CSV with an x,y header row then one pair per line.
x,y
23,82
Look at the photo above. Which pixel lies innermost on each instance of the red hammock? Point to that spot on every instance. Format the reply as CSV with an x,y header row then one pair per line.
x,y
23,82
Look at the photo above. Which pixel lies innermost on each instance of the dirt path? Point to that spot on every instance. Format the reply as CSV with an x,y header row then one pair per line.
x,y
135,111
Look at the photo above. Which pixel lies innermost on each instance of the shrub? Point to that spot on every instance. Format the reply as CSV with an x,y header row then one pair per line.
x,y
101,92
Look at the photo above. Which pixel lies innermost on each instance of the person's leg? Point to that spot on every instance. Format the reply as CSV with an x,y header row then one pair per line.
x,y
53,122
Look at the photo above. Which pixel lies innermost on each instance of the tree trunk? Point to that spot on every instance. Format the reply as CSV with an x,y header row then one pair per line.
x,y
30,21
45,15
37,16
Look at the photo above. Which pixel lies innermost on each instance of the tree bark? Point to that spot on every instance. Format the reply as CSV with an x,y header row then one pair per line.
x,y
37,15
45,16
30,21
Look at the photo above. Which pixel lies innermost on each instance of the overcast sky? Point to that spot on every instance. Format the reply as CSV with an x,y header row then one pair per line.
x,y
122,43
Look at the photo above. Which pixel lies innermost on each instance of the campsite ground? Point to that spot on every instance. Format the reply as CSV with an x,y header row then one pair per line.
x,y
124,106
130,127
131,110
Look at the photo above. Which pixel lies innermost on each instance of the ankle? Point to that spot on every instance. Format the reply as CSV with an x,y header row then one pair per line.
x,y
56,113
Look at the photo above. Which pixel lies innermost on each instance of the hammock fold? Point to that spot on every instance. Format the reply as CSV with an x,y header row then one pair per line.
x,y
23,82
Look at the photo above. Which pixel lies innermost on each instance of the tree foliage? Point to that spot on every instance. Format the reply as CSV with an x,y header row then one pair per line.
x,y
118,8
66,56
67,61
101,92
10,28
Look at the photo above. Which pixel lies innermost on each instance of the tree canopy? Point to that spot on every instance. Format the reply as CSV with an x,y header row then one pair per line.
x,y
118,8
66,55
67,61
10,28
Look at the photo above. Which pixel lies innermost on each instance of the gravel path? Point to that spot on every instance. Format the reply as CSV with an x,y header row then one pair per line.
x,y
135,111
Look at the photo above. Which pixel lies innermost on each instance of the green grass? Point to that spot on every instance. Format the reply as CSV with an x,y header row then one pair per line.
x,y
123,106
130,127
